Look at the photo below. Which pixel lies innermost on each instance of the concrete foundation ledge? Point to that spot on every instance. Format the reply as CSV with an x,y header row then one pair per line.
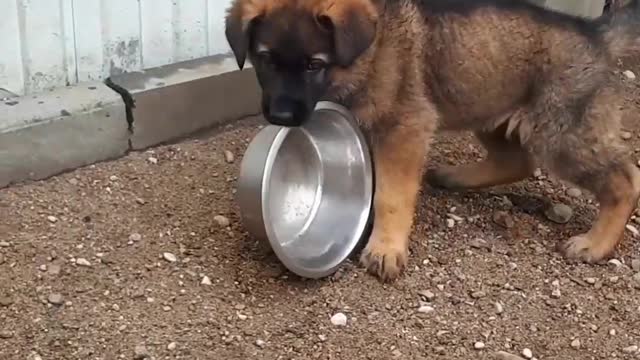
x,y
70,127
180,99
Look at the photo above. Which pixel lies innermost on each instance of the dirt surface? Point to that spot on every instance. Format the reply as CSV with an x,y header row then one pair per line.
x,y
109,261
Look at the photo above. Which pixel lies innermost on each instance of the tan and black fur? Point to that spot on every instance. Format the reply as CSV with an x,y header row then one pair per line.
x,y
533,85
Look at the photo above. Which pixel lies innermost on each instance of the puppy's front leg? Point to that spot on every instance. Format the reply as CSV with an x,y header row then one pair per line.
x,y
399,160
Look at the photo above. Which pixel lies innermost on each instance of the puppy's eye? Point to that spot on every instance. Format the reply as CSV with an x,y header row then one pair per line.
x,y
315,65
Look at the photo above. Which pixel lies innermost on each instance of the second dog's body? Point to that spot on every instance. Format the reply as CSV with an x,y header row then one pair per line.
x,y
533,85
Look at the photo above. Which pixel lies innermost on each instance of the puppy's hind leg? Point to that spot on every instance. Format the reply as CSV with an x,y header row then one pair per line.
x,y
590,155
506,162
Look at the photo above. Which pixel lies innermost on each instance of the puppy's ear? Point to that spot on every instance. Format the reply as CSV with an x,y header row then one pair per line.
x,y
353,23
238,22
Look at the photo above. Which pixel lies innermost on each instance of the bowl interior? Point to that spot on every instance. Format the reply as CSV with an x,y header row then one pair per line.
x,y
317,195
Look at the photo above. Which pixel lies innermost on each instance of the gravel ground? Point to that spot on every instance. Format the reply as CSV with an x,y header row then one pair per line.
x,y
145,257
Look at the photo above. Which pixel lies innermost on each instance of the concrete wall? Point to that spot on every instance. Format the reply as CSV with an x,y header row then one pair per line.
x,y
51,43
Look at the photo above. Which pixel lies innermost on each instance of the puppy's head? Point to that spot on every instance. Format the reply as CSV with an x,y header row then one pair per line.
x,y
295,44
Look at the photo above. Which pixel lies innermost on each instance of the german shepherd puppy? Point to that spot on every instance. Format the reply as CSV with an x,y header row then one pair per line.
x,y
533,85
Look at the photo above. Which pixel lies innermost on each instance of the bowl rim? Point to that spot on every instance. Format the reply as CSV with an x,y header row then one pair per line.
x,y
363,222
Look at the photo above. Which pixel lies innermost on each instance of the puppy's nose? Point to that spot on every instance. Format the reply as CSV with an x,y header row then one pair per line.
x,y
284,112
284,117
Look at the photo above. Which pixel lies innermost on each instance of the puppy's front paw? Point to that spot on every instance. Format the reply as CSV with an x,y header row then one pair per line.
x,y
586,249
385,258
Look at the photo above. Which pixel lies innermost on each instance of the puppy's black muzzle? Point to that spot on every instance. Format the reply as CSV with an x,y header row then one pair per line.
x,y
285,111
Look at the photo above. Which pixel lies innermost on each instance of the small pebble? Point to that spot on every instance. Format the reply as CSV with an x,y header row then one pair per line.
x,y
451,223
135,237
614,262
169,257
503,219
55,299
43,267
152,160
425,309
630,349
229,157
499,308
479,345
527,353
556,293
629,74
4,244
5,301
339,319
172,346
54,269
83,262
206,280
574,192
222,221
625,135
6,335
478,294
427,295
260,343
478,243
140,352
559,213
575,344
590,280
52,219
633,230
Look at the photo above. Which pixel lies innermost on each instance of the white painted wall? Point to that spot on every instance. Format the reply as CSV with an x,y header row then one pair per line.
x,y
50,43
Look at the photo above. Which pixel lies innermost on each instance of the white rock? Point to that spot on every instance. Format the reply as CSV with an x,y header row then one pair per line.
x,y
590,280
206,281
222,221
229,157
633,230
630,349
172,346
574,192
425,309
260,343
135,237
83,262
499,308
339,319
575,344
629,74
614,262
451,223
52,219
169,257
479,345
527,353
152,160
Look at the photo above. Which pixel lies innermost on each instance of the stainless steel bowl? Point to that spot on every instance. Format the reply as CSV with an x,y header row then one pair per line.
x,y
308,190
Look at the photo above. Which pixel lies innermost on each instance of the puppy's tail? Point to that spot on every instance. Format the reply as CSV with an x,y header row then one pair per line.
x,y
621,30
